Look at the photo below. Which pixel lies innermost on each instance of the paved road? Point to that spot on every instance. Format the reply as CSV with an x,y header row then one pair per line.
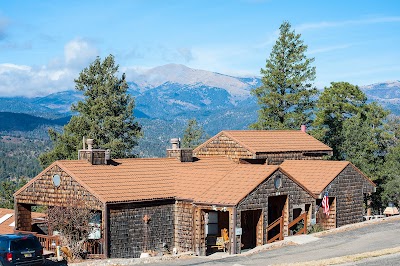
x,y
365,239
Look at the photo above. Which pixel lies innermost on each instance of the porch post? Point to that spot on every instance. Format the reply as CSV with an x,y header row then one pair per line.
x,y
369,211
233,232
105,230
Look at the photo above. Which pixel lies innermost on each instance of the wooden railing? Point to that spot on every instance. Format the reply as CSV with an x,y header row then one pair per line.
x,y
48,242
279,236
302,217
94,248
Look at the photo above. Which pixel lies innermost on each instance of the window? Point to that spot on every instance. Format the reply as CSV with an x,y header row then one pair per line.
x,y
212,225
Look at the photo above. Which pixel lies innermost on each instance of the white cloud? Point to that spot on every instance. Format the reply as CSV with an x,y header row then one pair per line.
x,y
333,24
78,53
57,75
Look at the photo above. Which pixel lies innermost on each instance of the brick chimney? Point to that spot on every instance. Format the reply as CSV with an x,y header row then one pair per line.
x,y
303,128
184,155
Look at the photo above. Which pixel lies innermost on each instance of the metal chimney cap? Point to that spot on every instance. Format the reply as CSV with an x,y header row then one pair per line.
x,y
89,142
174,140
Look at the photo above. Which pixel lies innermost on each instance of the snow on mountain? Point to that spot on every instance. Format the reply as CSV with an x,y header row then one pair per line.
x,y
180,74
384,92
383,85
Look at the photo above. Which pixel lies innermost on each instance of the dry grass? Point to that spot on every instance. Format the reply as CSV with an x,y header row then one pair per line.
x,y
346,259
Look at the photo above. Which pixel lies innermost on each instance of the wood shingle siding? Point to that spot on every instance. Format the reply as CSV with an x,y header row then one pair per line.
x,y
273,145
258,200
183,224
349,188
43,192
129,234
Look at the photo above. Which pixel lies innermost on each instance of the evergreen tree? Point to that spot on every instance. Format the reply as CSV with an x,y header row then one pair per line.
x,y
337,103
7,190
287,95
105,115
365,140
390,188
357,132
194,134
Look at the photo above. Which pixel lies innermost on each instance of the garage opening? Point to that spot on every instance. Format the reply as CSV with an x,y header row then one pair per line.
x,y
252,229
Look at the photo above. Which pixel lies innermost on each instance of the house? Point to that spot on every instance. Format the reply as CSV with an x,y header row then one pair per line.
x,y
260,146
346,187
185,201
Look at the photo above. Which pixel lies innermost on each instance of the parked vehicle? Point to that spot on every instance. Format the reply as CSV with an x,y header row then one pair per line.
x,y
20,249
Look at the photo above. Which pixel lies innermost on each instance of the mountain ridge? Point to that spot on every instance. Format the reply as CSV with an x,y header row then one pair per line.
x,y
177,92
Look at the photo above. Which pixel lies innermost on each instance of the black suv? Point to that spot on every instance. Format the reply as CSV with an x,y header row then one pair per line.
x,y
20,249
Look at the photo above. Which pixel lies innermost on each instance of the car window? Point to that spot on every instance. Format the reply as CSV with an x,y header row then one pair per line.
x,y
3,245
24,243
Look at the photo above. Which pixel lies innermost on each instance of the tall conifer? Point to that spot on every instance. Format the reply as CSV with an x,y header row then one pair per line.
x,y
105,115
287,94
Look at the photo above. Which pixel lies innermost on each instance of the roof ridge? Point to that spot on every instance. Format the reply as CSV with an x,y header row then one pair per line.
x,y
273,170
207,141
241,143
324,184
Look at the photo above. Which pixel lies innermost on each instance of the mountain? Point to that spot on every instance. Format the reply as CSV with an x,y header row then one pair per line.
x,y
24,122
385,93
238,88
166,97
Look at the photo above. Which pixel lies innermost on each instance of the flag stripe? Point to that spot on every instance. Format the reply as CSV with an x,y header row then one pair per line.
x,y
325,204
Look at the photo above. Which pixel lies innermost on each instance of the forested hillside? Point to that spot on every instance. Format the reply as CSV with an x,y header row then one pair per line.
x,y
18,156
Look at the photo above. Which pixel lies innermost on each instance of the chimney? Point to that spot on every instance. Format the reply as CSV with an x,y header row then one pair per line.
x,y
183,155
303,128
175,143
93,156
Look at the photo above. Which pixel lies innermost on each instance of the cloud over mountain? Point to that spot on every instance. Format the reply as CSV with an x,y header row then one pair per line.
x,y
57,75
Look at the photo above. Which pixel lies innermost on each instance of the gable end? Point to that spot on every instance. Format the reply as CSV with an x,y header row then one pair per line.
x,y
42,191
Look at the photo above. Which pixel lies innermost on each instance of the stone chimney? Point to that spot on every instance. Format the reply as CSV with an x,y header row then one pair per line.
x,y
93,156
184,155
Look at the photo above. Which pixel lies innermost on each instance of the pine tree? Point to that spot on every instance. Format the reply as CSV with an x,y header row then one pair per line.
x,y
336,104
194,134
105,115
287,94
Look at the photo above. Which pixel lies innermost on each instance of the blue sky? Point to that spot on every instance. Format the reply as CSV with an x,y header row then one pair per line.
x,y
45,44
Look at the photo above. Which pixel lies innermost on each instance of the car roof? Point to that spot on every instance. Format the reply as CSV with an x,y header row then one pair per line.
x,y
16,236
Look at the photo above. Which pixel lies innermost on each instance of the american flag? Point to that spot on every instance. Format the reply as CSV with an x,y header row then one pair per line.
x,y
325,204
